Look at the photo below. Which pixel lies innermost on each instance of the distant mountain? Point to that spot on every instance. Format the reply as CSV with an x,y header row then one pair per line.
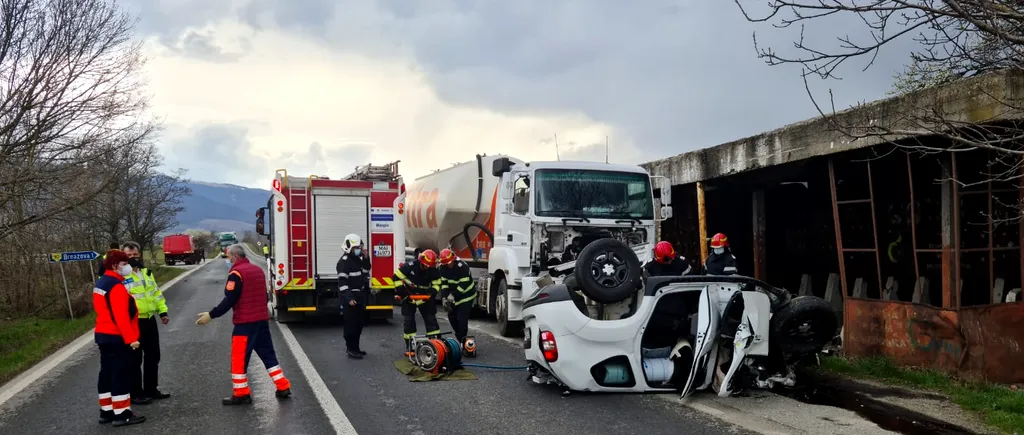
x,y
221,207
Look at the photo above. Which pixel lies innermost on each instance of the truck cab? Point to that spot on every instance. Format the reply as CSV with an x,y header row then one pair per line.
x,y
545,213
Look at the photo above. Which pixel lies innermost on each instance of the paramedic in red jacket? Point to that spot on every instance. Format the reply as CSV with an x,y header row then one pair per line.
x,y
245,293
117,335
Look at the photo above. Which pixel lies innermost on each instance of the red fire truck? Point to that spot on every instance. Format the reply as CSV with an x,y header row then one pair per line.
x,y
307,219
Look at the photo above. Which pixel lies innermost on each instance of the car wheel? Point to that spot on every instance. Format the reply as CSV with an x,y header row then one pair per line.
x,y
804,325
608,271
506,327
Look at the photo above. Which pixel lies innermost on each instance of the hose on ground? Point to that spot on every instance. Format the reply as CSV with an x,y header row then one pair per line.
x,y
485,366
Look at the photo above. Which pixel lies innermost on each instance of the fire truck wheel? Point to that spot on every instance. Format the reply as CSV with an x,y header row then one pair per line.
x,y
608,271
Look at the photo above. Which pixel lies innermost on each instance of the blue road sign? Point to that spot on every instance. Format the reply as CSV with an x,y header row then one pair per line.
x,y
67,257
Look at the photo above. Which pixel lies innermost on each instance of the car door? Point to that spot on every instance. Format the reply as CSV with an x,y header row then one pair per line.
x,y
707,334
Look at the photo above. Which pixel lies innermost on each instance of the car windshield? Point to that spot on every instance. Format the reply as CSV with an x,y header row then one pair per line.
x,y
593,194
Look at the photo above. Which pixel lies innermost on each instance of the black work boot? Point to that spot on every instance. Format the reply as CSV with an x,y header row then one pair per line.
x,y
128,418
141,400
158,395
284,394
361,352
106,417
353,354
237,400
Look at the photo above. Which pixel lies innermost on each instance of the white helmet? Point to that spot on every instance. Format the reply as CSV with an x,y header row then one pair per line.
x,y
352,240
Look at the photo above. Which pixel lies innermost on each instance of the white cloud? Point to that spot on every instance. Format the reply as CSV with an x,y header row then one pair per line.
x,y
294,103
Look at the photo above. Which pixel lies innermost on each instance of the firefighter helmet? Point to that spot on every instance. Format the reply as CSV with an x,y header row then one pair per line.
x,y
719,241
428,258
447,256
664,252
352,240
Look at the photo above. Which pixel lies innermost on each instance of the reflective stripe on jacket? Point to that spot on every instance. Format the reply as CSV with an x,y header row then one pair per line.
x,y
143,287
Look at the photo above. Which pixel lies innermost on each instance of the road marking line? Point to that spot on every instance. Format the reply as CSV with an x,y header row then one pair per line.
x,y
42,368
323,395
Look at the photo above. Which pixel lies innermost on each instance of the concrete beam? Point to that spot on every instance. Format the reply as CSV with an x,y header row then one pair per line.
x,y
977,100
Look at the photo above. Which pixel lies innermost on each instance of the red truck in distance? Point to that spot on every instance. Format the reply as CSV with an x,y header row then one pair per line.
x,y
179,247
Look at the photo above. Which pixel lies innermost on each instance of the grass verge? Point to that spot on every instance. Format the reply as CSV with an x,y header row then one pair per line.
x,y
166,273
999,406
25,342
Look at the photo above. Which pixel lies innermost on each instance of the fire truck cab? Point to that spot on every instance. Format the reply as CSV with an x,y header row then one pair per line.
x,y
307,219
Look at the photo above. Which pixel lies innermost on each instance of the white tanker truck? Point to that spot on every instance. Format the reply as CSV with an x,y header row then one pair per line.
x,y
514,221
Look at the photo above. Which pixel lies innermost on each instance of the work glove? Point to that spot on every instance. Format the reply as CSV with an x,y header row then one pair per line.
x,y
448,303
204,318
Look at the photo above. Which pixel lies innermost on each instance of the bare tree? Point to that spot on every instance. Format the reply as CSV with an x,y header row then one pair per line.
x,y
202,238
955,39
154,200
70,100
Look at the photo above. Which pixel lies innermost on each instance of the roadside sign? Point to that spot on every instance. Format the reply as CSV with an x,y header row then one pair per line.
x,y
68,257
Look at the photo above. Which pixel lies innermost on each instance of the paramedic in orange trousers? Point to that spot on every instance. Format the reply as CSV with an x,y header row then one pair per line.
x,y
117,335
245,293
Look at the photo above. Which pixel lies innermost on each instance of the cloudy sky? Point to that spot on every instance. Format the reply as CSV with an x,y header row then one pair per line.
x,y
319,86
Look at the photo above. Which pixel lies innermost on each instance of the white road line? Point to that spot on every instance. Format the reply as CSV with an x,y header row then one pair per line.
x,y
30,376
330,406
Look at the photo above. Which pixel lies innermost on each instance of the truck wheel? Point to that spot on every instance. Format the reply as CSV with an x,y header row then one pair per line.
x,y
803,326
608,271
506,327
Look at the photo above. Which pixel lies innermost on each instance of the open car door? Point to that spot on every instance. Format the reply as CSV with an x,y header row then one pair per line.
x,y
751,337
707,336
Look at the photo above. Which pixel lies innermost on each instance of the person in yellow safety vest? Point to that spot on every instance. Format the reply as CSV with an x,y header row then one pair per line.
x,y
458,291
150,300
416,284
266,251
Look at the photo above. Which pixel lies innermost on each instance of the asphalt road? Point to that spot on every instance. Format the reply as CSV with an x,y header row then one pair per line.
x,y
374,396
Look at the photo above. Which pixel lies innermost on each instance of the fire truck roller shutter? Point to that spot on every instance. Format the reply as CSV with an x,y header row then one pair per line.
x,y
335,217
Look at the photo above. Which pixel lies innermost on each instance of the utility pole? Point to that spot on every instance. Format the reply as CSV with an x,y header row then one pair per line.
x,y
606,148
557,157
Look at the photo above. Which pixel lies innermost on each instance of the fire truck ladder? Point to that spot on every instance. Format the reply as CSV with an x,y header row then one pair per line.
x,y
297,196
369,172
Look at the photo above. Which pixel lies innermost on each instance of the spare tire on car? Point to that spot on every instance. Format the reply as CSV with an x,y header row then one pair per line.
x,y
608,271
803,326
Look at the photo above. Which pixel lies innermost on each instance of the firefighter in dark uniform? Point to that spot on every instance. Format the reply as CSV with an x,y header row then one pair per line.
x,y
720,262
666,262
573,251
245,294
416,284
117,335
458,291
354,286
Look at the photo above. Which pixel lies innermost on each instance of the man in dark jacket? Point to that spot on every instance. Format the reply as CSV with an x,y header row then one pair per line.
x,y
416,284
458,291
666,262
354,286
720,262
245,294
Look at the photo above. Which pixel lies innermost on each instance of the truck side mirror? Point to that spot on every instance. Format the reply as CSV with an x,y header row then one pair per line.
x,y
259,227
260,211
501,166
664,186
666,212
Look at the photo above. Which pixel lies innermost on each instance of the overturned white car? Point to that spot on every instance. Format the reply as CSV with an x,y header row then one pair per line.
x,y
683,333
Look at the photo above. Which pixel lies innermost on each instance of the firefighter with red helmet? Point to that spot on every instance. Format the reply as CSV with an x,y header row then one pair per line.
x,y
721,261
458,290
666,262
416,284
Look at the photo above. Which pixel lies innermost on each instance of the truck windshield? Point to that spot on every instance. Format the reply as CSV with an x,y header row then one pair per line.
x,y
593,194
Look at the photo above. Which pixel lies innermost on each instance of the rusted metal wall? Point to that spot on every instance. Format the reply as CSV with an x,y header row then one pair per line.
x,y
978,342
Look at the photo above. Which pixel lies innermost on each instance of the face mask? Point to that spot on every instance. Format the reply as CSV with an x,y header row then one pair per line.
x,y
135,263
228,261
125,270
719,250
357,252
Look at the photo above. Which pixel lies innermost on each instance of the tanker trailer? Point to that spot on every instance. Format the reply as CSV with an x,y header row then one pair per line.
x,y
514,222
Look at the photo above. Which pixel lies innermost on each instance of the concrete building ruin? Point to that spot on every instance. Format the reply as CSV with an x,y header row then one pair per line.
x,y
806,208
